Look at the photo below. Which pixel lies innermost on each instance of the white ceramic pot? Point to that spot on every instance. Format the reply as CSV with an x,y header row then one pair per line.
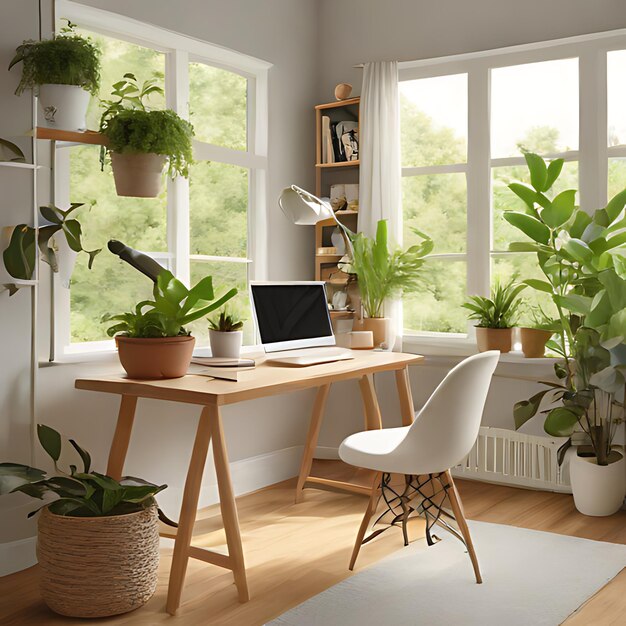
x,y
598,489
138,175
226,345
64,106
66,258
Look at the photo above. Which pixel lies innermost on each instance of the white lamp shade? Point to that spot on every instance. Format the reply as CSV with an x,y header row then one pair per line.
x,y
302,207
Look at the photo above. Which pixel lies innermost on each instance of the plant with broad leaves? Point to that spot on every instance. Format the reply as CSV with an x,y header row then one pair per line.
x,y
583,259
383,273
131,127
501,310
79,494
172,308
20,255
226,322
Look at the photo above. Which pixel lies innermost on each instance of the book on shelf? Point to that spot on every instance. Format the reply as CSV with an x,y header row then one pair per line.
x,y
327,250
328,155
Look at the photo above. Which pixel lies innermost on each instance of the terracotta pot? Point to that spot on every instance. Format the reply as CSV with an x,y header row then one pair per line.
x,y
598,489
226,345
534,342
167,357
138,175
98,566
343,91
379,327
494,339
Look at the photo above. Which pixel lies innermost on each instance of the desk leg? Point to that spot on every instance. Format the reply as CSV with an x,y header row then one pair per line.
x,y
121,438
188,511
373,419
403,384
227,504
311,439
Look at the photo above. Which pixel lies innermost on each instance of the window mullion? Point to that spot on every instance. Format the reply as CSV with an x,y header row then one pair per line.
x,y
478,182
177,98
593,165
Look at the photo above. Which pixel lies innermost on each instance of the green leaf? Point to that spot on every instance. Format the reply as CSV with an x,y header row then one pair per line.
x,y
560,210
84,455
50,441
582,219
111,498
43,241
529,225
523,246
554,170
574,303
52,214
20,255
66,486
13,475
527,194
560,422
72,230
615,206
540,285
526,409
538,171
579,250
197,314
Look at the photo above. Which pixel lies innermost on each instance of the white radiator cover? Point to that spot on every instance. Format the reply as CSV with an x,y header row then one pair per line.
x,y
512,458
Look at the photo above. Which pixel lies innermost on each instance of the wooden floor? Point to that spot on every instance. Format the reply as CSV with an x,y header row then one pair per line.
x,y
295,551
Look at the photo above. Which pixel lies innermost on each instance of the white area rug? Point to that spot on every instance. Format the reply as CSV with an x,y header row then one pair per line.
x,y
531,578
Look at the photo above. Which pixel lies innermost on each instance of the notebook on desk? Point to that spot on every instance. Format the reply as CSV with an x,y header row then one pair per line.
x,y
294,323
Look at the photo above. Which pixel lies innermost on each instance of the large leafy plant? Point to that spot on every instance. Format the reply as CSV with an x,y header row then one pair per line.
x,y
20,255
383,273
67,59
501,310
85,493
131,127
172,308
583,259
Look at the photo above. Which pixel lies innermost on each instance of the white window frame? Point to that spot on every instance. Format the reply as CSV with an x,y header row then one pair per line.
x,y
179,50
592,155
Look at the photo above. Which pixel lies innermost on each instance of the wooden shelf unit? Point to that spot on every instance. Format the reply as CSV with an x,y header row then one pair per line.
x,y
70,136
327,174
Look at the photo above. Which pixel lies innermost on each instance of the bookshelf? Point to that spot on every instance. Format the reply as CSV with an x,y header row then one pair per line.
x,y
326,175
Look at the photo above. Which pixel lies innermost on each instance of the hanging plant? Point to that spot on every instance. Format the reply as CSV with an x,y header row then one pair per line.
x,y
140,141
20,256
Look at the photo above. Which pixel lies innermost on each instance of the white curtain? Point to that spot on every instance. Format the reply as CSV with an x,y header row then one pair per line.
x,y
379,172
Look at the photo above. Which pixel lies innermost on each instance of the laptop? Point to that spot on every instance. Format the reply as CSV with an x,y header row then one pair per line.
x,y
294,323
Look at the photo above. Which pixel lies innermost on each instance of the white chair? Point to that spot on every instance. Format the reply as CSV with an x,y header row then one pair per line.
x,y
442,434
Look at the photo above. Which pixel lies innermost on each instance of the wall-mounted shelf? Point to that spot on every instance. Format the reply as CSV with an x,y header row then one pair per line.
x,y
24,166
71,136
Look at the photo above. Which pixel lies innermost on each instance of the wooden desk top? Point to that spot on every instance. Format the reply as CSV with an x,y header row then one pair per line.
x,y
265,380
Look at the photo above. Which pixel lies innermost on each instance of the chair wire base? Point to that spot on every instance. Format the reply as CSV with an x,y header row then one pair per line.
x,y
425,495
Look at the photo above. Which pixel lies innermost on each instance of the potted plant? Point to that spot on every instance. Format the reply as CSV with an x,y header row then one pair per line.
x,y
140,141
496,316
582,257
225,335
64,72
383,274
98,540
537,333
152,340
59,240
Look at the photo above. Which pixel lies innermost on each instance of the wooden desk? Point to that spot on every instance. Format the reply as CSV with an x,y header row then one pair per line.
x,y
211,394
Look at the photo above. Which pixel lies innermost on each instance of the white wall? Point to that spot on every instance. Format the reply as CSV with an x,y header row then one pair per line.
x,y
357,31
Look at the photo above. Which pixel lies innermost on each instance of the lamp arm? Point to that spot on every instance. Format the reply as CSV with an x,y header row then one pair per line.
x,y
347,234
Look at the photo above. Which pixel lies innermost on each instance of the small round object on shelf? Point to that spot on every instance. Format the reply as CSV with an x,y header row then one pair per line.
x,y
343,91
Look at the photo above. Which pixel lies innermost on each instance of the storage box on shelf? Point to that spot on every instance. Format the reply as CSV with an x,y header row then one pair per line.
x,y
327,174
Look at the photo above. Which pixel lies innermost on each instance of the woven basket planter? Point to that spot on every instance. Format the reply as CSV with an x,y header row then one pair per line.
x,y
98,566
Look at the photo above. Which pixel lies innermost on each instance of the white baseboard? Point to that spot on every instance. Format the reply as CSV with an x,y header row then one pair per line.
x,y
17,555
326,452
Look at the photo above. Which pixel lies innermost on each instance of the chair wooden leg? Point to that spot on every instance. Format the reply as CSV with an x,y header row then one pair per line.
x,y
311,439
121,438
459,515
369,511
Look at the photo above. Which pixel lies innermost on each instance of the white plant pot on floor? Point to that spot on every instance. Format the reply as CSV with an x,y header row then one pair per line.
x,y
598,489
64,106
226,345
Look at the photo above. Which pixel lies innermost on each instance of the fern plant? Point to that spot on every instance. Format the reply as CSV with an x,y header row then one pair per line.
x,y
67,59
501,310
131,127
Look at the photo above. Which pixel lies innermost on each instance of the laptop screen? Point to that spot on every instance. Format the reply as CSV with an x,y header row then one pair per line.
x,y
291,312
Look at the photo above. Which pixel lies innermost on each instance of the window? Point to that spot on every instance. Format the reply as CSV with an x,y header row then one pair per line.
x,y
434,196
203,226
464,123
